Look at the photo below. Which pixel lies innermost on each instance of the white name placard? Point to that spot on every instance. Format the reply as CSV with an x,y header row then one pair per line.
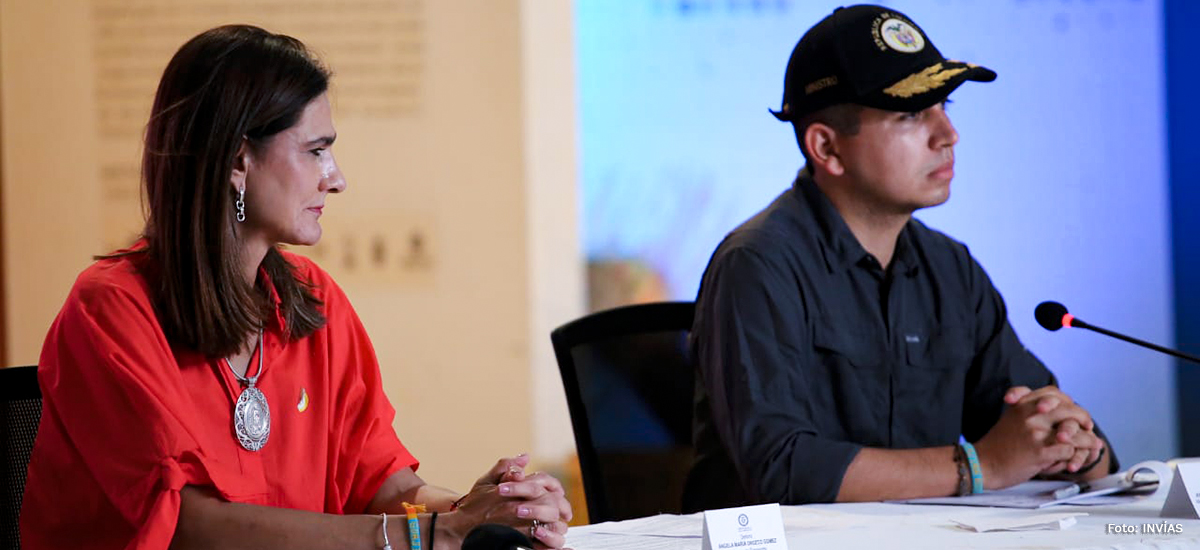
x,y
745,528
1184,499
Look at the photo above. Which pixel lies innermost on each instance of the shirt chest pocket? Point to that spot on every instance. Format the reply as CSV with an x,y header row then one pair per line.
x,y
949,346
933,384
850,382
844,344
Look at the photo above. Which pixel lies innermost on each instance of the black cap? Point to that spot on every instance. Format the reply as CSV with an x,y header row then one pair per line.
x,y
872,56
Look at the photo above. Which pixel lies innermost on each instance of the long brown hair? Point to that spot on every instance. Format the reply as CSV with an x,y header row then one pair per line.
x,y
227,84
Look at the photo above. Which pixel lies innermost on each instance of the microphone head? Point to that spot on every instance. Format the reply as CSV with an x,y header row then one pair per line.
x,y
491,536
1051,315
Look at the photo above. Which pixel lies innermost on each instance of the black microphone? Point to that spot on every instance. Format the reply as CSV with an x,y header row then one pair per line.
x,y
1053,316
491,536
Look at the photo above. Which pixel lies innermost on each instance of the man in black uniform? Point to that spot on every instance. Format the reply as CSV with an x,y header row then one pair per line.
x,y
843,348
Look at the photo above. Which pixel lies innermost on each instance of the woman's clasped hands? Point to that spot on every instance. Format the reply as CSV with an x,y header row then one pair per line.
x,y
533,504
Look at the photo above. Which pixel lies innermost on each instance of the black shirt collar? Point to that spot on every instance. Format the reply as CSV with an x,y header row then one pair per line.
x,y
838,244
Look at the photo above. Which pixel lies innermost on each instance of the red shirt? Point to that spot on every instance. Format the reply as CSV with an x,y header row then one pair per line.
x,y
127,421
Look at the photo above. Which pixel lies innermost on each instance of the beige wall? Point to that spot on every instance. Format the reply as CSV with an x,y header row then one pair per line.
x,y
556,274
50,153
482,172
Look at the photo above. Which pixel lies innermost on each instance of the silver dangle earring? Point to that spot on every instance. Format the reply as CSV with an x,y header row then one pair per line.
x,y
240,204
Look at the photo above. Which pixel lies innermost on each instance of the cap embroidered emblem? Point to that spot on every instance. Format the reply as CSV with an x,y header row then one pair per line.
x,y
901,36
303,404
932,78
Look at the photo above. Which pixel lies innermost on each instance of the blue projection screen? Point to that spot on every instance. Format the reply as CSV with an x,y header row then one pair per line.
x,y
1061,186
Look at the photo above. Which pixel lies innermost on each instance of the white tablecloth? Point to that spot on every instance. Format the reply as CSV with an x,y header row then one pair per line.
x,y
880,525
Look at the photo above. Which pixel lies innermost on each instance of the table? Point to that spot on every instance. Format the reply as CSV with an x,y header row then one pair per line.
x,y
882,525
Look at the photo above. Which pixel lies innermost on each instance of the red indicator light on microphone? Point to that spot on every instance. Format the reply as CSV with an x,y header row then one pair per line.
x,y
1067,318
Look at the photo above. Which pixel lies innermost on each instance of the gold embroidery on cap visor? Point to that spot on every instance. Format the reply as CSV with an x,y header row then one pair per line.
x,y
932,78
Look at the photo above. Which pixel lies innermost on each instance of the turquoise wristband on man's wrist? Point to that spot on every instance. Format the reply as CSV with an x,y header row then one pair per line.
x,y
973,464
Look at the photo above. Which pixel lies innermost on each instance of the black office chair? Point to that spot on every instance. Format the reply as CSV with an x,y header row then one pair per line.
x,y
629,390
20,411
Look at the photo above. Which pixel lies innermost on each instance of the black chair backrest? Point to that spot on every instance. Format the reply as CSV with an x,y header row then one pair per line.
x,y
629,386
20,411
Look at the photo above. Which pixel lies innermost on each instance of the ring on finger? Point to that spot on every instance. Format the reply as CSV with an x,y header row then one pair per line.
x,y
533,528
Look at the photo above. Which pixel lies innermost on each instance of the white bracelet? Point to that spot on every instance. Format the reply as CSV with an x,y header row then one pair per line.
x,y
387,545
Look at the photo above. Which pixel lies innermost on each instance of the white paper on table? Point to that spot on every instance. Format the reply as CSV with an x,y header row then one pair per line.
x,y
1036,522
1031,494
1040,494
662,525
609,541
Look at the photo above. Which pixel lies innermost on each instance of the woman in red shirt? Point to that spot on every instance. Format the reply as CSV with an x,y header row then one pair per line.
x,y
204,388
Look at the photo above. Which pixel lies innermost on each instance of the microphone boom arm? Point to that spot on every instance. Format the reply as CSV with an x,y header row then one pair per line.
x,y
1181,355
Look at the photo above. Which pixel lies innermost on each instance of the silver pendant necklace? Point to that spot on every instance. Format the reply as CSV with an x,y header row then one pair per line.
x,y
251,415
